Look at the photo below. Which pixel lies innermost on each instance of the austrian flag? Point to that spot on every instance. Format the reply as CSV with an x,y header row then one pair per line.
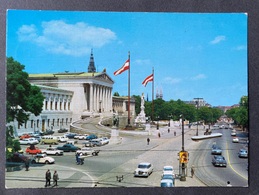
x,y
149,78
125,67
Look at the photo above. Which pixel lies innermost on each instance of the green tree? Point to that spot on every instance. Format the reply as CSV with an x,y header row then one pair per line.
x,y
137,103
116,94
22,98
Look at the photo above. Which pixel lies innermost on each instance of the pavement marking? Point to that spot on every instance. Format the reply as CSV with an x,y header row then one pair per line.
x,y
233,168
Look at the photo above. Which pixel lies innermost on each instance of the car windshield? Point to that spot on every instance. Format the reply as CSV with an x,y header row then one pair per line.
x,y
220,158
168,177
141,166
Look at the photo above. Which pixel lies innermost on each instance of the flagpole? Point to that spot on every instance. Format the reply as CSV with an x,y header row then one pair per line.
x,y
153,94
129,91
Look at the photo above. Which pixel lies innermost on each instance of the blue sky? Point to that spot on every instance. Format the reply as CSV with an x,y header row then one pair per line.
x,y
193,54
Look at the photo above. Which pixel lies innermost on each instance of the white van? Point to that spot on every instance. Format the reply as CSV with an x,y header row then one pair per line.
x,y
62,138
49,139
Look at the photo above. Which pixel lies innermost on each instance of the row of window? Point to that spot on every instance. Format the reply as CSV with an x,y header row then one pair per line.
x,y
49,123
65,105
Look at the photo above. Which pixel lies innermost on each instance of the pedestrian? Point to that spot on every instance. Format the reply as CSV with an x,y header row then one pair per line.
x,y
159,135
192,171
228,184
174,133
55,178
77,158
168,130
48,178
27,164
148,140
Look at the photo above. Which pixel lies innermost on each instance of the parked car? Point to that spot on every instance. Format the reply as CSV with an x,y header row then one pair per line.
x,y
235,140
95,142
32,150
216,150
52,151
62,138
80,136
18,158
43,158
68,148
144,169
49,139
62,130
243,153
71,135
87,144
48,132
90,137
28,141
218,160
104,140
24,136
168,170
87,151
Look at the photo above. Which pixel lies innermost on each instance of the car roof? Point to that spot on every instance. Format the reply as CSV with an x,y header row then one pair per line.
x,y
144,163
168,166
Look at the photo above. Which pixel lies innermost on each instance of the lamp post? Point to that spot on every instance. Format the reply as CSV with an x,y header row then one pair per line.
x,y
100,109
157,125
183,155
197,105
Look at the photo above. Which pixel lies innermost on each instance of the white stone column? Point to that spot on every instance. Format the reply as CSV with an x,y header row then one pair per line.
x,y
91,98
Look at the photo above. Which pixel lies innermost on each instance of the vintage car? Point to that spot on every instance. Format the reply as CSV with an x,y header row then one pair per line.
x,y
68,148
42,159
144,169
87,151
219,161
32,150
52,151
28,141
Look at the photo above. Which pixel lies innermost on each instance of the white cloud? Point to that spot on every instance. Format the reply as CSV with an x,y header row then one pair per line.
x,y
60,37
198,77
218,39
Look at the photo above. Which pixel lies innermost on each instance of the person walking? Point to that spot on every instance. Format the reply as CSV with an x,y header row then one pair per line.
x,y
55,178
48,178
148,140
192,171
27,164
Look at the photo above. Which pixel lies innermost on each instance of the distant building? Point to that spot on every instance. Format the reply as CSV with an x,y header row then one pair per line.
x,y
159,94
200,102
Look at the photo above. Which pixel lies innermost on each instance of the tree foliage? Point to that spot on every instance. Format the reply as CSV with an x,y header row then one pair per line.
x,y
172,109
240,114
22,99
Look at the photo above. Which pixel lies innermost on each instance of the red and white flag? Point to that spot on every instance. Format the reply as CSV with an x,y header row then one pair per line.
x,y
125,67
148,79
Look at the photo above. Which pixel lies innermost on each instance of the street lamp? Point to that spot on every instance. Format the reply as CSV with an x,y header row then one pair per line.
x,y
157,125
183,156
100,109
197,105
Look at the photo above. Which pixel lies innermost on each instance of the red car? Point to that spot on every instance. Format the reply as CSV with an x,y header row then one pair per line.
x,y
24,136
32,150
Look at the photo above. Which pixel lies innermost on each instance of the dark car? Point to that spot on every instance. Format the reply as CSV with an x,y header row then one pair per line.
x,y
48,132
68,148
71,135
19,158
62,130
92,136
216,150
219,161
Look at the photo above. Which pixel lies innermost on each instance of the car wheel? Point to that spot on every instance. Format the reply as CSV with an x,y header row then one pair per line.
x,y
57,154
46,162
43,142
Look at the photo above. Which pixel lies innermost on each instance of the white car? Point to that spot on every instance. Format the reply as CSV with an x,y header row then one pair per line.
x,y
28,141
233,133
144,169
87,151
80,136
235,140
52,151
104,140
43,159
168,170
62,138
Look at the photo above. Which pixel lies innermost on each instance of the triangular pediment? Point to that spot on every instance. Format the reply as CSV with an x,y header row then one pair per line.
x,y
105,77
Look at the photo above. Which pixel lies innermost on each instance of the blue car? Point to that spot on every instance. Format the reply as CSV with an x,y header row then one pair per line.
x,y
92,136
68,148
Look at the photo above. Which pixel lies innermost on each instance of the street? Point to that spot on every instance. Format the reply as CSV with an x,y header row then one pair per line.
x,y
120,160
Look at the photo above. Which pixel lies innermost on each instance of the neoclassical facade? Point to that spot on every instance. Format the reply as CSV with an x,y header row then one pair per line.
x,y
92,91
